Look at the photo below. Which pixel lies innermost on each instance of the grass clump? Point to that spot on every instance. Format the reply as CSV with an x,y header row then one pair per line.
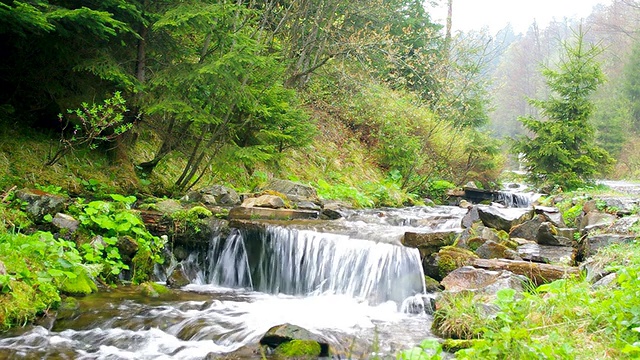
x,y
460,315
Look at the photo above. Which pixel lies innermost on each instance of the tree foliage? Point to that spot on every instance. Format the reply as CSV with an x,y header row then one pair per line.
x,y
563,150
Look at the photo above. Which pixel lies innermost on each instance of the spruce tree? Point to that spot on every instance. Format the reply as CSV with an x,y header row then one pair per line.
x,y
562,150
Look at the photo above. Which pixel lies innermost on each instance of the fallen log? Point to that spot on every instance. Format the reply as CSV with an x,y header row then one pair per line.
x,y
537,272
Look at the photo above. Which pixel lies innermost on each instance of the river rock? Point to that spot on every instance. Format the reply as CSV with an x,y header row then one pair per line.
x,y
551,214
550,235
594,242
169,206
264,201
446,260
333,210
66,222
127,246
487,282
419,304
558,255
596,220
606,281
528,229
178,277
294,191
503,219
470,217
492,250
624,225
428,243
620,206
252,213
220,195
278,335
536,272
40,203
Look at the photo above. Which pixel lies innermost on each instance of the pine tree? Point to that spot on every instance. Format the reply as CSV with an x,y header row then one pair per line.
x,y
563,151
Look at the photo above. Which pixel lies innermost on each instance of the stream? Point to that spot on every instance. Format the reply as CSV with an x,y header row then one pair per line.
x,y
348,280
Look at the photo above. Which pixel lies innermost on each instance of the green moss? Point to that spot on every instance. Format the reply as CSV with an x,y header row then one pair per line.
x,y
24,302
453,345
143,265
451,258
152,289
80,286
432,285
299,348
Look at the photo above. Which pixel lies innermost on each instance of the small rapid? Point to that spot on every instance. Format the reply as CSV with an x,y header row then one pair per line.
x,y
348,280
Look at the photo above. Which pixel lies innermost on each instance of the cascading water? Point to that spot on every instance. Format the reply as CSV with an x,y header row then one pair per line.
x,y
303,262
516,196
344,279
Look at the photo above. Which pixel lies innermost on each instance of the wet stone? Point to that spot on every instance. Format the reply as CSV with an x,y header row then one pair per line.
x,y
559,255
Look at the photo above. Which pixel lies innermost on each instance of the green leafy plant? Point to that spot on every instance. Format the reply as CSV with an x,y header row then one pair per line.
x,y
429,349
111,221
91,124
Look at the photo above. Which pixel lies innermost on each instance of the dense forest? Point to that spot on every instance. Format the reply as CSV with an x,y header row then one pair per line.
x,y
360,94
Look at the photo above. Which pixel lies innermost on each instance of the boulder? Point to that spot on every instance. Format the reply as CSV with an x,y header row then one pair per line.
x,y
66,222
558,255
503,219
127,246
294,191
528,229
192,197
418,304
220,195
594,270
536,272
624,225
40,203
264,201
487,282
308,205
594,242
607,281
551,214
548,234
178,277
492,250
470,218
596,220
446,260
428,243
621,206
333,210
247,213
278,336
169,206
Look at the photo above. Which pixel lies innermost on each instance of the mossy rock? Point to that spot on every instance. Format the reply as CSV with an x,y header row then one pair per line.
x,y
152,289
82,285
306,349
24,302
450,258
431,284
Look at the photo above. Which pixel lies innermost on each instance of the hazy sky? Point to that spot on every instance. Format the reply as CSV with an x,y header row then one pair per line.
x,y
474,14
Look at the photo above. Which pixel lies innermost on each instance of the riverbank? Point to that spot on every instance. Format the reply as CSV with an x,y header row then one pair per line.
x,y
469,315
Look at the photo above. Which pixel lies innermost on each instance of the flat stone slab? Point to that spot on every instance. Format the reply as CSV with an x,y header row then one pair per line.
x,y
256,213
536,272
548,254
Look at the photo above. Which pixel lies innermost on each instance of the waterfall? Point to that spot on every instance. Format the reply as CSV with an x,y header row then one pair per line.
x,y
304,262
513,199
